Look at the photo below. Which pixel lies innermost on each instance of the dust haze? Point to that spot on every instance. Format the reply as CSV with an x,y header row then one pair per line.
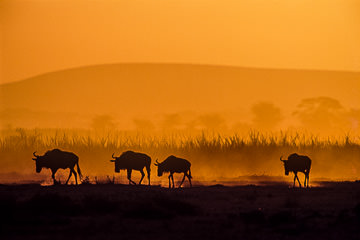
x,y
229,85
167,97
233,124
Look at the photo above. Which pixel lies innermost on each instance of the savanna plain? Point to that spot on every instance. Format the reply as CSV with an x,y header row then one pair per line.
x,y
239,188
113,211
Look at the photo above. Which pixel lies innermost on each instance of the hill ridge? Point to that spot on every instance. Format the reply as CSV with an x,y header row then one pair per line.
x,y
180,64
149,91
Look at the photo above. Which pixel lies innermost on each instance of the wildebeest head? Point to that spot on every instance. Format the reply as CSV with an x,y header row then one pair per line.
x,y
39,160
116,160
286,166
160,168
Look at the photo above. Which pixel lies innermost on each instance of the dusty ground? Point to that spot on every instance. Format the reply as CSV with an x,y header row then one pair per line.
x,y
107,211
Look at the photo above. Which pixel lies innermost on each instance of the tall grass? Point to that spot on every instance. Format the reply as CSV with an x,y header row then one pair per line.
x,y
213,155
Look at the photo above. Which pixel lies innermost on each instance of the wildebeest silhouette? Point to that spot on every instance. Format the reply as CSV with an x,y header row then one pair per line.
x,y
173,165
297,163
130,160
55,159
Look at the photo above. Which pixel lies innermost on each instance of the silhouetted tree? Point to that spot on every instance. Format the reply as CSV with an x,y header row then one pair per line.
x,y
323,114
103,122
354,118
212,121
266,115
191,125
143,124
172,121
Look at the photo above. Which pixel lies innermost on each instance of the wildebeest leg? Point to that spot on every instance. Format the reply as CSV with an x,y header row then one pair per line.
x,y
298,180
129,177
188,176
148,173
307,176
308,179
71,171
53,171
182,180
294,179
169,180
172,178
75,176
142,176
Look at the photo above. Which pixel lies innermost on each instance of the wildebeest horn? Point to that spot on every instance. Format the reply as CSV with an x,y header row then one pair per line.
x,y
282,159
156,163
35,154
113,156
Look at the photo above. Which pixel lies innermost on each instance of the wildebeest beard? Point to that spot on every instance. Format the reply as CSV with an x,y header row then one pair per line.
x,y
39,165
160,171
286,168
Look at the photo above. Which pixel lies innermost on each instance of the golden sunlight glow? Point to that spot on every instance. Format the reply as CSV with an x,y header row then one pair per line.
x,y
44,36
242,81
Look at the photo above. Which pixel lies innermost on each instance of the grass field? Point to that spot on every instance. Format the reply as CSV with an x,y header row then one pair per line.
x,y
240,190
214,157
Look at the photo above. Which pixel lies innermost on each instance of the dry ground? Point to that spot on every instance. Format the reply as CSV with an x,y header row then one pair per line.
x,y
107,211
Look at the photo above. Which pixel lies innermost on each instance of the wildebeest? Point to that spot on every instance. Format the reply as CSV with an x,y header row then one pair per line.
x,y
55,159
298,163
173,165
130,160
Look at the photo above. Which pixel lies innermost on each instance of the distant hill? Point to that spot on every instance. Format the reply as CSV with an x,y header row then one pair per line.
x,y
133,89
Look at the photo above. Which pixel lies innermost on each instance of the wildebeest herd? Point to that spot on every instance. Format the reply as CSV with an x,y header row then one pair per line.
x,y
129,160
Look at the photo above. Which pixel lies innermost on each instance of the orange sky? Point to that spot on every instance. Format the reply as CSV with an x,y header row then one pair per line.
x,y
42,36
39,36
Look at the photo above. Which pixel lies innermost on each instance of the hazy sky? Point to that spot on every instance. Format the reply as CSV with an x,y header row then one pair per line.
x,y
39,36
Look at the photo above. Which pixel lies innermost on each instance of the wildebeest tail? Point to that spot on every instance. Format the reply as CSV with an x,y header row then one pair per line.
x,y
78,170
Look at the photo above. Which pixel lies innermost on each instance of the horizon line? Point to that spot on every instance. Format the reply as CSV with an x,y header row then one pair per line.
x,y
180,63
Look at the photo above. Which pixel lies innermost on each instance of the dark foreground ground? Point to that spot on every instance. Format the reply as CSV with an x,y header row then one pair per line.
x,y
107,211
